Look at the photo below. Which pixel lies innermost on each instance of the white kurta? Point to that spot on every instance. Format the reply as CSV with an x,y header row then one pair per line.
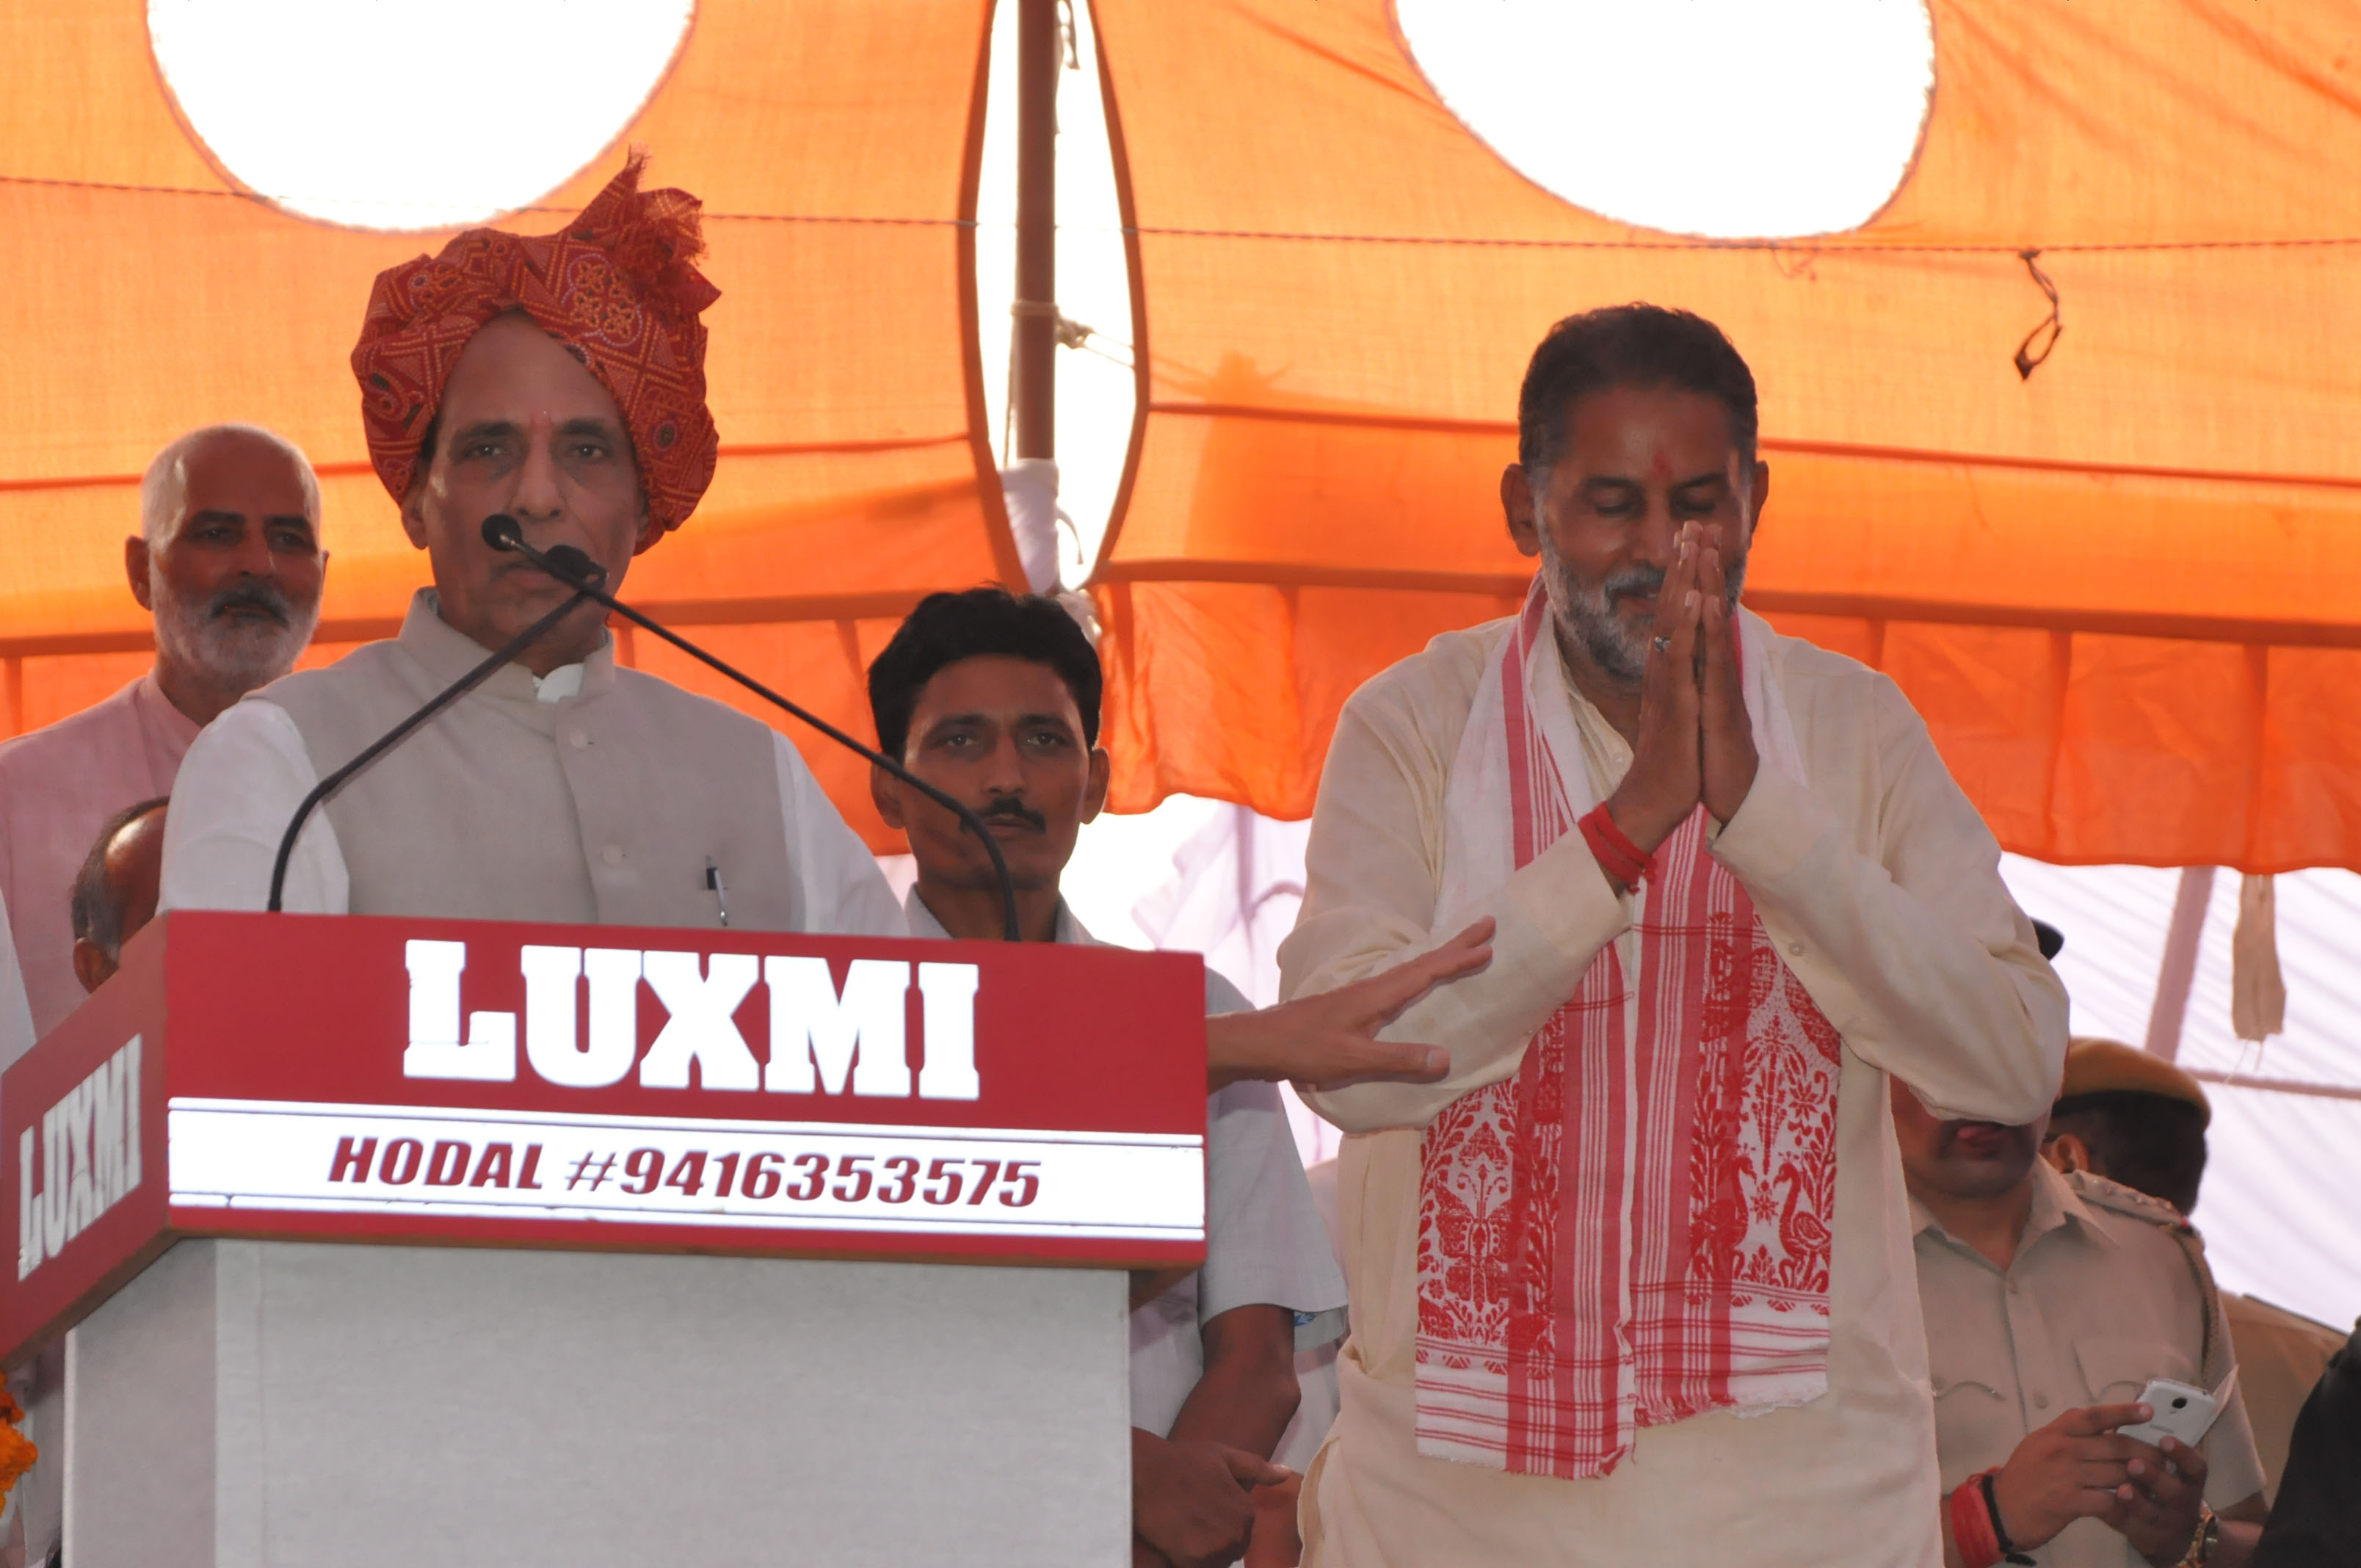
x,y
1265,1244
597,795
1881,888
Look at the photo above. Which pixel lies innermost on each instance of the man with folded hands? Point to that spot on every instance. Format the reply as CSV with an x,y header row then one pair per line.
x,y
1633,1282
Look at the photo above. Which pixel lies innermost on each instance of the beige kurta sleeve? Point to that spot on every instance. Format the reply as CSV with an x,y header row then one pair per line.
x,y
1900,927
1369,881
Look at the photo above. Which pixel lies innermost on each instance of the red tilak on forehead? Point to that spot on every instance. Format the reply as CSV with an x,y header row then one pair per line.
x,y
1661,468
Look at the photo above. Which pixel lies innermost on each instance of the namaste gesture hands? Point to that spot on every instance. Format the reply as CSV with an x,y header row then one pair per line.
x,y
1695,742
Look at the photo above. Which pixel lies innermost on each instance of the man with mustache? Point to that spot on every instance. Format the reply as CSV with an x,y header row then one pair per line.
x,y
1633,1282
2050,1300
558,379
229,563
2137,1119
994,699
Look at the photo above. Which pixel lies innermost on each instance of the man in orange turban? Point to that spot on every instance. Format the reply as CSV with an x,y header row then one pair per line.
x,y
618,287
559,378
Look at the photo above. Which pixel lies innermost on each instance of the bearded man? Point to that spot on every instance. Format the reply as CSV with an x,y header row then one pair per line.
x,y
1634,1281
2128,1115
228,563
559,380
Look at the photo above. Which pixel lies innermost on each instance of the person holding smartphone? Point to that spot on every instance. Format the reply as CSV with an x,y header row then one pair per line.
x,y
2053,1302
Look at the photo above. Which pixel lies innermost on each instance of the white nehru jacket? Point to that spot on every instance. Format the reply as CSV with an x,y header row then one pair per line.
x,y
1265,1244
596,796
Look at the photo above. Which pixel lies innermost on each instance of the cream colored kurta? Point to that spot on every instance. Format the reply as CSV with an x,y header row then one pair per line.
x,y
1881,887
520,802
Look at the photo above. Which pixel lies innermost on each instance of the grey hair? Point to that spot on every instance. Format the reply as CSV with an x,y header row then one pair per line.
x,y
164,488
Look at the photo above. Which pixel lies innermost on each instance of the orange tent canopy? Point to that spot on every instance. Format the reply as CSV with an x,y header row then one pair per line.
x,y
2124,592
150,293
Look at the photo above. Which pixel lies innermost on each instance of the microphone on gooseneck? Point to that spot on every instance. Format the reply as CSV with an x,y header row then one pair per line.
x,y
395,736
587,577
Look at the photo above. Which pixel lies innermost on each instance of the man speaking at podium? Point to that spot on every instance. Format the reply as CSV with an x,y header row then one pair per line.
x,y
559,380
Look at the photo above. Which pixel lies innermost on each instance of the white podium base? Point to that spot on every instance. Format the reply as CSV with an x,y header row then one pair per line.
x,y
271,1405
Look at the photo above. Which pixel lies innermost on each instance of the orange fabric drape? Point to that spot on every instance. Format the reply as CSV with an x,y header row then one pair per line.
x,y
2126,592
836,145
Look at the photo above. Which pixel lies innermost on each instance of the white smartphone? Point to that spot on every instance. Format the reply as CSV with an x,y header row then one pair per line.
x,y
2180,1411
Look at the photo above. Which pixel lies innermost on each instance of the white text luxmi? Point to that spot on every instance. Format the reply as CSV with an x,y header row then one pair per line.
x,y
581,1022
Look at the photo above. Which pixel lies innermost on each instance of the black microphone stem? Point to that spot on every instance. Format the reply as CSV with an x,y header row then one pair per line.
x,y
583,583
391,738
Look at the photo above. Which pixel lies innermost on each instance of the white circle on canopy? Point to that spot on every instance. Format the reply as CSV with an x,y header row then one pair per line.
x,y
410,114
1725,118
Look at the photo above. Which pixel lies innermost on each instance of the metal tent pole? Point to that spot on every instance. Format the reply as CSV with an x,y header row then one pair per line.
x,y
2178,969
1033,405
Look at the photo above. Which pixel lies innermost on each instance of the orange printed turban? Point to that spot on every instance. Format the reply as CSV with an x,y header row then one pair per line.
x,y
619,284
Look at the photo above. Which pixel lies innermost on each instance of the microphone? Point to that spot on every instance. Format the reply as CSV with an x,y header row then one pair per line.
x,y
584,576
395,736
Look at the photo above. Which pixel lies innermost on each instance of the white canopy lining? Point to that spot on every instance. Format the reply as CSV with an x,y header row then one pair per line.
x,y
2278,1209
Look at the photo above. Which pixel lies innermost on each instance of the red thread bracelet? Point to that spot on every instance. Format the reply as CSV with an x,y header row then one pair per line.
x,y
1617,855
1972,1525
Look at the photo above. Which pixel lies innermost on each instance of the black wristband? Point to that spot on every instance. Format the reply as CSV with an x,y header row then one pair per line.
x,y
2008,1552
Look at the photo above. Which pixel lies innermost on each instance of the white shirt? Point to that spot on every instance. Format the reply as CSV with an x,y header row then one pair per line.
x,y
249,770
1264,1243
1881,888
542,757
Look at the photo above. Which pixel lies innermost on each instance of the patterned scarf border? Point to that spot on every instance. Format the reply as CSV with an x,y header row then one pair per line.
x,y
1636,1228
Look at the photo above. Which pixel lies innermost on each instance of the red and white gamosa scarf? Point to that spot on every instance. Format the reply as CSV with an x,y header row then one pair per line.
x,y
1635,1228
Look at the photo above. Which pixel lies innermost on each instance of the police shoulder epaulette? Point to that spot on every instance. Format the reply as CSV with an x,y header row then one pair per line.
x,y
2214,1346
2116,1197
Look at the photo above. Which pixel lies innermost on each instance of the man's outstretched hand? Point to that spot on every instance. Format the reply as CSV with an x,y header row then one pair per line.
x,y
1331,1040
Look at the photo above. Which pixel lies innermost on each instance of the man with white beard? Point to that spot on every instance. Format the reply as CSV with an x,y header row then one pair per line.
x,y
229,561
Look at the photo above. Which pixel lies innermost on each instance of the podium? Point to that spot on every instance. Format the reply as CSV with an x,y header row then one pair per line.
x,y
394,1241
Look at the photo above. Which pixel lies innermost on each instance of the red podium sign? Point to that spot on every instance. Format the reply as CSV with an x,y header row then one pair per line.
x,y
603,1087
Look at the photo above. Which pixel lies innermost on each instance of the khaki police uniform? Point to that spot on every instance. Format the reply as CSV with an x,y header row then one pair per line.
x,y
2108,1288
2280,1355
